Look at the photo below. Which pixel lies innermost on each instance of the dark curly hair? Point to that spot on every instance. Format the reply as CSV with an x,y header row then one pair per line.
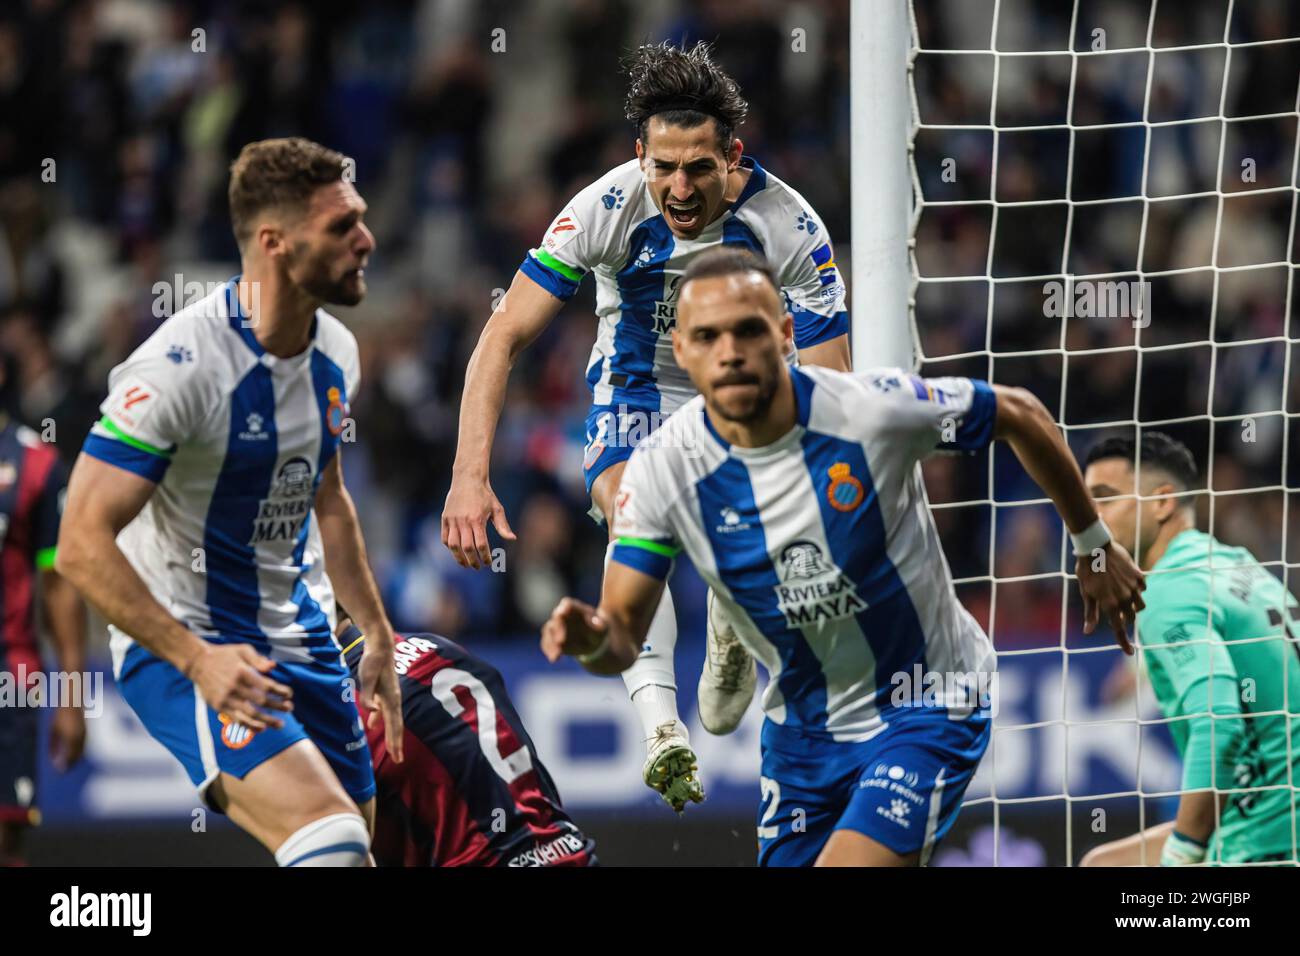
x,y
683,86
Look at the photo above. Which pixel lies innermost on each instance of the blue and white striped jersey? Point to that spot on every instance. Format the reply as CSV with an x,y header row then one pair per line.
x,y
236,440
613,230
821,544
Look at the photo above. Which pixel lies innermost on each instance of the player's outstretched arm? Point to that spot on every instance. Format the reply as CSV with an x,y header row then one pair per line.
x,y
102,500
354,583
524,311
1111,583
607,639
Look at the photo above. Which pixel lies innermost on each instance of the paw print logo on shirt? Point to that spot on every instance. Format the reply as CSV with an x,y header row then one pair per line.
x,y
897,812
254,430
614,198
806,223
180,354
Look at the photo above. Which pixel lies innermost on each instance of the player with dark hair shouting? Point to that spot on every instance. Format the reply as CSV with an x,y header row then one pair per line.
x,y
636,229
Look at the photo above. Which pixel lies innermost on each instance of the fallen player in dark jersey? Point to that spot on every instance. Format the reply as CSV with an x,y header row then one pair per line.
x,y
471,790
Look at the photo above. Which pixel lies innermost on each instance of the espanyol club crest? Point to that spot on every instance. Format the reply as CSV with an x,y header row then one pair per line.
x,y
234,734
844,492
336,412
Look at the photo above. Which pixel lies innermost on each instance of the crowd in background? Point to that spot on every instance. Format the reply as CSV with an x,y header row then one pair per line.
x,y
1174,240
472,122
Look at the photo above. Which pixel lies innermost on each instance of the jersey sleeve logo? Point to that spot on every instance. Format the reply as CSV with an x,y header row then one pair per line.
x,y
928,391
620,503
884,382
828,274
613,199
134,396
133,402
844,492
563,231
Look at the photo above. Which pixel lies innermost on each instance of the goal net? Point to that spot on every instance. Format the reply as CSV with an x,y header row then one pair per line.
x,y
1104,211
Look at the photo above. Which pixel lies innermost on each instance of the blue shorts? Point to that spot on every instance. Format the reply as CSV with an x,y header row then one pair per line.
x,y
206,742
612,432
902,788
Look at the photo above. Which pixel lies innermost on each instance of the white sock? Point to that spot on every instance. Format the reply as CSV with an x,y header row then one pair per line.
x,y
651,681
340,839
657,705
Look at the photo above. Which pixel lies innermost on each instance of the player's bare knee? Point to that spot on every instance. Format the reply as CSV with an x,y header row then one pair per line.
x,y
338,839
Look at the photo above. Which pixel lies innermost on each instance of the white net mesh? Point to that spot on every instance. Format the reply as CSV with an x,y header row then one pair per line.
x,y
1105,213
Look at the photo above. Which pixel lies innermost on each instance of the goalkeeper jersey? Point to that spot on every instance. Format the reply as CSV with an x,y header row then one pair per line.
x,y
614,230
1207,607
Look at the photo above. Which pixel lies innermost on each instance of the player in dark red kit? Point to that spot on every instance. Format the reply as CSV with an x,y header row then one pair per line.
x,y
32,481
471,791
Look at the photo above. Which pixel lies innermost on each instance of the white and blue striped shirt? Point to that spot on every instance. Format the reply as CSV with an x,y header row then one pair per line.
x,y
614,230
236,440
821,544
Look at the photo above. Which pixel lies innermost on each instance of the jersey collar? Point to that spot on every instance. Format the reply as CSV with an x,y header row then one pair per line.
x,y
757,182
239,321
803,389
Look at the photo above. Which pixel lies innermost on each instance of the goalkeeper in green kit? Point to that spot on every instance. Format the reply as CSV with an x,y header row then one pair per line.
x,y
1219,640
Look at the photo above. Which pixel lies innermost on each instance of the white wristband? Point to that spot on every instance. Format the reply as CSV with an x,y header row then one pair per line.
x,y
599,652
1096,535
1181,851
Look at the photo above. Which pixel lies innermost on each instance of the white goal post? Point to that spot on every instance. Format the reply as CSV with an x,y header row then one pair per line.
x,y
891,268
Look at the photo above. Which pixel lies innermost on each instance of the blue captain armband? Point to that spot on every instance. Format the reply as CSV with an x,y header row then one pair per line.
x,y
557,278
976,428
127,452
654,558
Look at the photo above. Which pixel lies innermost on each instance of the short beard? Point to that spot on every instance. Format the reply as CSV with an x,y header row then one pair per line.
x,y
332,293
321,288
759,409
